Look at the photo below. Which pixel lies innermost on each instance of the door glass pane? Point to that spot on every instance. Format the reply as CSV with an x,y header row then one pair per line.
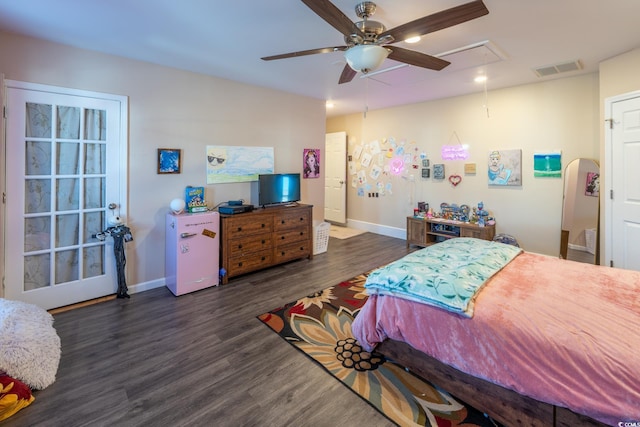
x,y
67,158
37,271
37,195
67,230
66,266
67,194
93,224
68,122
38,120
38,158
94,193
93,261
95,159
95,125
37,236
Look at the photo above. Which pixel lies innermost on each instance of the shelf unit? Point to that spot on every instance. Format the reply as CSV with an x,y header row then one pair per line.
x,y
427,231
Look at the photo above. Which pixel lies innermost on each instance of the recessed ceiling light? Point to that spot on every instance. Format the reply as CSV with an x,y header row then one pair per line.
x,y
414,39
480,79
329,104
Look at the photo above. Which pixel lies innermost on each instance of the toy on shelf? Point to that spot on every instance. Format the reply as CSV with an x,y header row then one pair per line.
x,y
453,212
482,216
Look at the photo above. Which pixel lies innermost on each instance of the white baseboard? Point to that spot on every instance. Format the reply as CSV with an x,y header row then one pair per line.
x,y
578,247
399,233
146,286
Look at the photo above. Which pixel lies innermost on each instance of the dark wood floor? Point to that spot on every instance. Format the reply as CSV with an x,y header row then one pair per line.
x,y
203,359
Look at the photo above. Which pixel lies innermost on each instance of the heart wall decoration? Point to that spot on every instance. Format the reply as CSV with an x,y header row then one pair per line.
x,y
455,179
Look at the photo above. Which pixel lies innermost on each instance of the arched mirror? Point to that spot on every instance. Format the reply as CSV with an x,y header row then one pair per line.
x,y
579,240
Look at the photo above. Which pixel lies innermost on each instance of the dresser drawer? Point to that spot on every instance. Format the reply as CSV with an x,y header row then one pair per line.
x,y
292,251
238,227
286,237
249,244
244,264
292,219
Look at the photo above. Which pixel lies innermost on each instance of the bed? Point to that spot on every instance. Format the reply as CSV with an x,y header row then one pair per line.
x,y
541,341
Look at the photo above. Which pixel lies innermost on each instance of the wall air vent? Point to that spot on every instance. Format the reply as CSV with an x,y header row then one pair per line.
x,y
563,67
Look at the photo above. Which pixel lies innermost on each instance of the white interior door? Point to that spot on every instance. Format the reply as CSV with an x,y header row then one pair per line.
x,y
64,167
622,180
335,189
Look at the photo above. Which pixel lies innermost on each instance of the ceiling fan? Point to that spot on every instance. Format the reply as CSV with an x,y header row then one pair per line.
x,y
368,42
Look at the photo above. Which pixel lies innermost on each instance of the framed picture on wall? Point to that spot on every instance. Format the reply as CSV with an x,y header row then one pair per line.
x,y
169,160
438,171
311,163
505,167
592,187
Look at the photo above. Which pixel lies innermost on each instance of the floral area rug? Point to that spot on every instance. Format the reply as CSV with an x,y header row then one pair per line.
x,y
319,325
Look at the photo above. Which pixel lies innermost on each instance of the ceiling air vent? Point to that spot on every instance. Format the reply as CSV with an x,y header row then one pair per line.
x,y
564,67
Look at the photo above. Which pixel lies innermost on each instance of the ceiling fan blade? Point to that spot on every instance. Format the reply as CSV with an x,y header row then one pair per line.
x,y
330,13
347,75
305,52
416,58
438,21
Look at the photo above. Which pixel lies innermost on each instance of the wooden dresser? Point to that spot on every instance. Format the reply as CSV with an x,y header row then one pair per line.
x,y
265,237
425,232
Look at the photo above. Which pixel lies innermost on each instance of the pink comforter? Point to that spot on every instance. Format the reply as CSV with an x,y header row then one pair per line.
x,y
558,331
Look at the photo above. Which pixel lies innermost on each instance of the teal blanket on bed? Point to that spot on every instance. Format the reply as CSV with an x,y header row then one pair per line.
x,y
447,275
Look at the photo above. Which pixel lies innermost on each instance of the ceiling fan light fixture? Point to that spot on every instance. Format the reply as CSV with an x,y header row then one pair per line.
x,y
411,40
365,57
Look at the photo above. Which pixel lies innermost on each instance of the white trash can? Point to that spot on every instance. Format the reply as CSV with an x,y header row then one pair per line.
x,y
320,237
590,237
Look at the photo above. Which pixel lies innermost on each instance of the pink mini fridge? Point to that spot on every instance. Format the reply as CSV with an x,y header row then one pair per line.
x,y
192,260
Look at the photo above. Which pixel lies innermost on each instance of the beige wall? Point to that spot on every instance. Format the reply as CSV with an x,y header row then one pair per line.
x,y
169,108
559,114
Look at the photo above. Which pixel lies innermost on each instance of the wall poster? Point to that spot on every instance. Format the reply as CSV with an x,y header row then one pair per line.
x,y
547,164
592,187
237,164
505,167
311,163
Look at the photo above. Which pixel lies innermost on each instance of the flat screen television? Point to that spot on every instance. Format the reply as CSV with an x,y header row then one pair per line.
x,y
278,188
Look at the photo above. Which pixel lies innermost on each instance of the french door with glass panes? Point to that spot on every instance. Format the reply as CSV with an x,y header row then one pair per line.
x,y
65,166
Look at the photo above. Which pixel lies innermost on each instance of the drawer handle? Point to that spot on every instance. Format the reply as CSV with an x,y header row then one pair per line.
x,y
240,264
239,246
239,228
282,253
263,258
282,222
302,248
301,219
302,233
263,241
282,237
264,225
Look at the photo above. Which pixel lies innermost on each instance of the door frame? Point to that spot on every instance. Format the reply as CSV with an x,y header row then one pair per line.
x,y
123,169
608,168
3,185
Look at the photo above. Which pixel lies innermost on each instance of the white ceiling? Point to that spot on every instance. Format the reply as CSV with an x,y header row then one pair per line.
x,y
227,38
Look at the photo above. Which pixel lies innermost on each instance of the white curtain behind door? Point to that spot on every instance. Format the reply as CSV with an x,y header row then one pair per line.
x,y
65,169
